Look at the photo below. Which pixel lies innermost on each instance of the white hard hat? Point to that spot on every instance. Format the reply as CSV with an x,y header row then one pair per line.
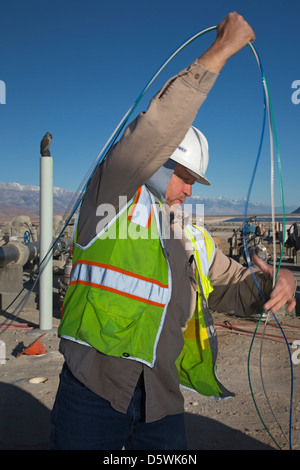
x,y
192,153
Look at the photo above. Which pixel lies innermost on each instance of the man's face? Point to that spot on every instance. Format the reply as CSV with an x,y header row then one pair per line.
x,y
180,186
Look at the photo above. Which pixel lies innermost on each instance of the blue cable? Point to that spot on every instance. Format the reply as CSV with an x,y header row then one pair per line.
x,y
292,383
253,176
246,248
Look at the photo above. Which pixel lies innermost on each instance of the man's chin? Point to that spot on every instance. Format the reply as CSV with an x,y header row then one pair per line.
x,y
175,204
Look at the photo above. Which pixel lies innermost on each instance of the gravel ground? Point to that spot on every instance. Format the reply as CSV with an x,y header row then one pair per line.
x,y
233,424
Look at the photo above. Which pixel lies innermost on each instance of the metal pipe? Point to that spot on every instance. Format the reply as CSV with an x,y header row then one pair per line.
x,y
46,240
8,254
18,253
34,250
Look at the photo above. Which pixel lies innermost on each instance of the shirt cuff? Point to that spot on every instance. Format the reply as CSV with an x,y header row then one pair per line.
x,y
198,77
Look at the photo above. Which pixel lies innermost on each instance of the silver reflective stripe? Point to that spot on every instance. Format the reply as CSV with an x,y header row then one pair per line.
x,y
142,209
200,242
113,279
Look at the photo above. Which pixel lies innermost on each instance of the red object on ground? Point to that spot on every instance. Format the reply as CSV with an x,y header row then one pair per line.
x,y
35,349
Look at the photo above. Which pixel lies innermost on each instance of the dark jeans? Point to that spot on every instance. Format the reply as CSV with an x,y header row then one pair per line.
x,y
81,419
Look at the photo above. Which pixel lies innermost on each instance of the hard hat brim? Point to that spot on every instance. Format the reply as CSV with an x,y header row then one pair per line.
x,y
199,179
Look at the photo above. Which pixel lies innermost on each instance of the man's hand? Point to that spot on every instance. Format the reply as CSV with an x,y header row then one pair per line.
x,y
284,289
233,34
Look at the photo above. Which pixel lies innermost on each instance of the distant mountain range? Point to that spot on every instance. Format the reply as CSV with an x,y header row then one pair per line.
x,y
223,206
17,199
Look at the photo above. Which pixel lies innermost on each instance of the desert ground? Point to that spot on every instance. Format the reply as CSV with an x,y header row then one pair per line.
x,y
256,368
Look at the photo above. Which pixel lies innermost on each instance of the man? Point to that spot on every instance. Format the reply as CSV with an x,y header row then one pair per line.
x,y
136,322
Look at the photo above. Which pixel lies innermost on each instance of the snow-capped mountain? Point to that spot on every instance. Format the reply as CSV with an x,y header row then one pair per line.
x,y
222,206
26,198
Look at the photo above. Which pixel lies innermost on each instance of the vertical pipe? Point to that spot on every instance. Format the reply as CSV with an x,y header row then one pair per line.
x,y
46,240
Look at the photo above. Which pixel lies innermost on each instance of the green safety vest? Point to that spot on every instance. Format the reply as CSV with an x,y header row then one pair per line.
x,y
117,304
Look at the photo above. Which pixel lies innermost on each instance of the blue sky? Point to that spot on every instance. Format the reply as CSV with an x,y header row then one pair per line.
x,y
74,68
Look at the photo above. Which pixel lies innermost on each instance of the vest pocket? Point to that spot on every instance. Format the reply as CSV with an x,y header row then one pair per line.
x,y
108,325
113,316
114,324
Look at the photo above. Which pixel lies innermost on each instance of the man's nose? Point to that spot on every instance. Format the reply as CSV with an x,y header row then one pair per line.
x,y
188,190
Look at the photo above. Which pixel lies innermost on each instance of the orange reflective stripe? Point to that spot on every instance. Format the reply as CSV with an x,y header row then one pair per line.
x,y
142,209
110,289
122,271
150,218
137,196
